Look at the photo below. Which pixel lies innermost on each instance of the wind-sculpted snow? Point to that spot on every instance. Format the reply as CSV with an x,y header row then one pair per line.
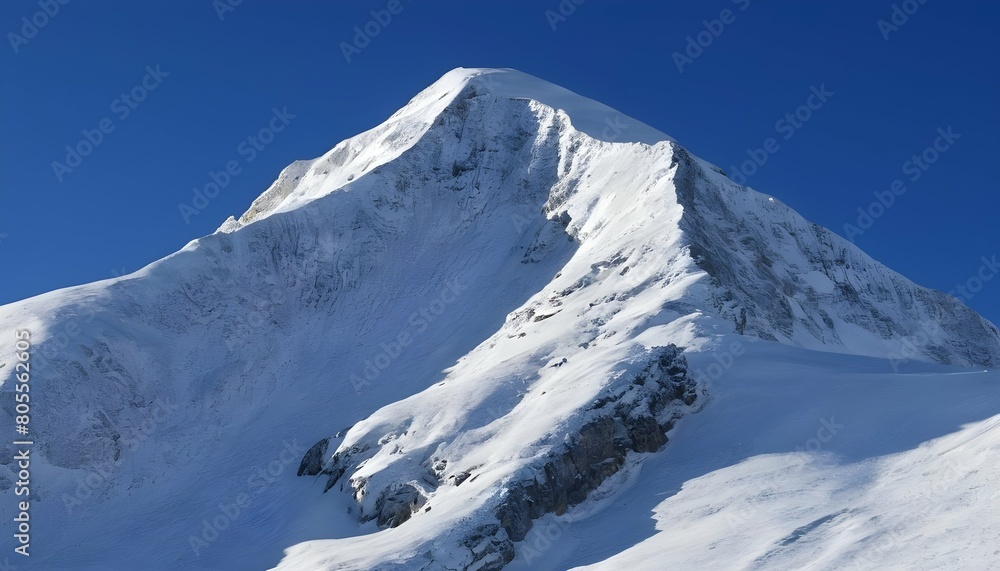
x,y
483,307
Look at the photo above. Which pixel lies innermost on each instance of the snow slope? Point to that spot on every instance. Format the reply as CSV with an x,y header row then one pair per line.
x,y
830,295
479,303
863,469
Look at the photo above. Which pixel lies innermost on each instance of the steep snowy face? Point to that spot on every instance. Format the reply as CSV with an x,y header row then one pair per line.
x,y
772,273
666,250
780,277
306,180
333,297
491,291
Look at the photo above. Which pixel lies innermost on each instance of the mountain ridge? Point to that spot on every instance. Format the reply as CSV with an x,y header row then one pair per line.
x,y
581,262
596,121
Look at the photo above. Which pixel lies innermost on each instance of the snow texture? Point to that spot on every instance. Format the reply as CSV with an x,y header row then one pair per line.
x,y
504,289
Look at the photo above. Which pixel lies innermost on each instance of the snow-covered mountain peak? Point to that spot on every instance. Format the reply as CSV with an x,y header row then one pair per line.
x,y
616,180
472,315
587,116
304,181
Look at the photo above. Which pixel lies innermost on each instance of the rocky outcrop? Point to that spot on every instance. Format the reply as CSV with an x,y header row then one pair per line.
x,y
395,506
634,416
635,419
491,550
742,239
312,462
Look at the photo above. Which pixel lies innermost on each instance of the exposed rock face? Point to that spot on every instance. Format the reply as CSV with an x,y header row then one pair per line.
x,y
634,416
635,419
578,250
394,507
641,244
490,549
827,288
312,462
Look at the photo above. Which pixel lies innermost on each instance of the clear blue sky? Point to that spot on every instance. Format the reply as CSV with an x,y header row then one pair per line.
x,y
118,209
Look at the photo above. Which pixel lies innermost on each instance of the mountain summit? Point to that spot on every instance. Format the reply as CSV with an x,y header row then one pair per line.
x,y
771,272
485,312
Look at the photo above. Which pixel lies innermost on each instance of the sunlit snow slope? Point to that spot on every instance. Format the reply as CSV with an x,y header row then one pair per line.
x,y
805,460
481,320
